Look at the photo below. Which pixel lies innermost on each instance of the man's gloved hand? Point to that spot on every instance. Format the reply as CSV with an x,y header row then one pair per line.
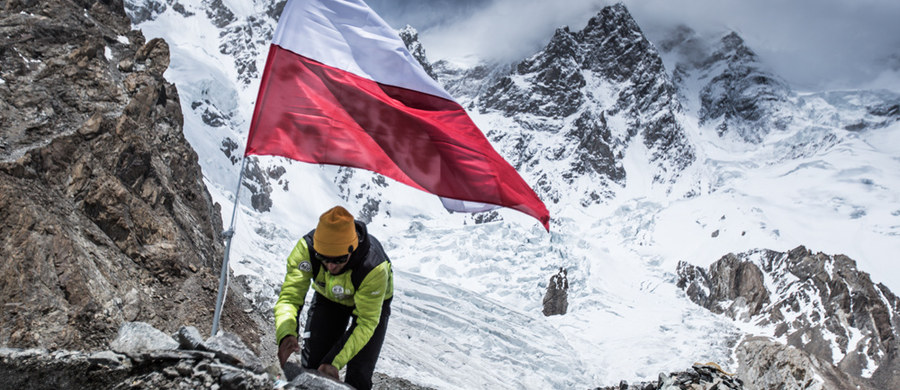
x,y
330,371
288,346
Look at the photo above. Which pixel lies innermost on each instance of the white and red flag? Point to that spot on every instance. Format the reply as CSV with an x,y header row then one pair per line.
x,y
339,87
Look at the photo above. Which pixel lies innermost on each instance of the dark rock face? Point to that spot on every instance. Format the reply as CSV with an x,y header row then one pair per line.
x,y
731,286
556,299
105,216
820,304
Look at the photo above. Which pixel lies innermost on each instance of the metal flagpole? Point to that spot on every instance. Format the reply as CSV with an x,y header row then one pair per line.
x,y
228,234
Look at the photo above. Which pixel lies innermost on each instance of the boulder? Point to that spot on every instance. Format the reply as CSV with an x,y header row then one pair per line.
x,y
137,337
556,298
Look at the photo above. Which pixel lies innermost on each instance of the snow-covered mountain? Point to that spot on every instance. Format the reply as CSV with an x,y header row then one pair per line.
x,y
646,153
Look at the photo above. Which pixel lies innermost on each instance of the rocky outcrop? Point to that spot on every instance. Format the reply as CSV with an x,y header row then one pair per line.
x,y
703,376
144,357
819,304
556,299
730,286
767,364
105,218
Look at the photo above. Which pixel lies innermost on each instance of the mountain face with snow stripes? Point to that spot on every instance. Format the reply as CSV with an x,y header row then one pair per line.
x,y
589,95
640,149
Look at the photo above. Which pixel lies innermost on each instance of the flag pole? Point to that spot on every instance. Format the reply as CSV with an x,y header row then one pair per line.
x,y
228,234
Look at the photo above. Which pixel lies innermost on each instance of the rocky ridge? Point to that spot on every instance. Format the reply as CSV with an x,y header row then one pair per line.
x,y
702,376
830,320
105,215
143,357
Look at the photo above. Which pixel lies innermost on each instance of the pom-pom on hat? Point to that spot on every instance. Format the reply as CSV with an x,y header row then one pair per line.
x,y
336,233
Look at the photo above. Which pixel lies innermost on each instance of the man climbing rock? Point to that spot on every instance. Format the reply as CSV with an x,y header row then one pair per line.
x,y
352,279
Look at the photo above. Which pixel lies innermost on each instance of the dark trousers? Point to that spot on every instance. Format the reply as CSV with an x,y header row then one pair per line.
x,y
326,332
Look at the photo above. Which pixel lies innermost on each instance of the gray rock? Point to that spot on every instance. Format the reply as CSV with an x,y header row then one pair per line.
x,y
39,369
190,338
556,297
753,102
108,359
311,379
774,365
137,337
708,376
229,348
731,286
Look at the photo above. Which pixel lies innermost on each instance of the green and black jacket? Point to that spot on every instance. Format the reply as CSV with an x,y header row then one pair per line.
x,y
364,284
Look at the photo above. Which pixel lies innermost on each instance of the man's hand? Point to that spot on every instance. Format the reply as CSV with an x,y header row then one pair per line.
x,y
331,371
288,346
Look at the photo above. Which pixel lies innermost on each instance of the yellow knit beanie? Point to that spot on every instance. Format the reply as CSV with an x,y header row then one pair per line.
x,y
336,233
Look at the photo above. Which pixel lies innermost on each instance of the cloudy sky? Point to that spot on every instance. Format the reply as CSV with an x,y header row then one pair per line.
x,y
814,44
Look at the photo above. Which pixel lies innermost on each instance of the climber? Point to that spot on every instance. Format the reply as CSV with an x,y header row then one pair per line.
x,y
353,280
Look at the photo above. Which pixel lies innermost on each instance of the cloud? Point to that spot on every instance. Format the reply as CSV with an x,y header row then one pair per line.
x,y
507,30
814,44
496,30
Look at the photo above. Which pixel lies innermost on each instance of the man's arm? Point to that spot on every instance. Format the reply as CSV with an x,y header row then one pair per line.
x,y
369,299
293,292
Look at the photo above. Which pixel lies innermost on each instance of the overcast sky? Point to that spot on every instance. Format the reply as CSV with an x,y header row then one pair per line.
x,y
814,44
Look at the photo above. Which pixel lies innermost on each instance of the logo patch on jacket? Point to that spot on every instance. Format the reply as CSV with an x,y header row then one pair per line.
x,y
338,292
305,266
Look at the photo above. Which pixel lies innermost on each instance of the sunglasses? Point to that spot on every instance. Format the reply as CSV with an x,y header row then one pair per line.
x,y
333,260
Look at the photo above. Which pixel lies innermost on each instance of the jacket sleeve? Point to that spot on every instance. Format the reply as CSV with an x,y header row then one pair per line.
x,y
293,292
368,300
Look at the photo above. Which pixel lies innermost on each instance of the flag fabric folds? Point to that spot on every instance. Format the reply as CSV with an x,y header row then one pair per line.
x,y
339,87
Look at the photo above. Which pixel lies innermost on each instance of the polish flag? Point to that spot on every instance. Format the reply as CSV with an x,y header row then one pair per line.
x,y
339,87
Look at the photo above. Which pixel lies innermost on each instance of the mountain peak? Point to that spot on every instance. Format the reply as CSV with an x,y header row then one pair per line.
x,y
739,96
597,90
410,37
615,17
733,48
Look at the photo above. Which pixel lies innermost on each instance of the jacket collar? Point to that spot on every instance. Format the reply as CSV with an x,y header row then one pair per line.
x,y
359,254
